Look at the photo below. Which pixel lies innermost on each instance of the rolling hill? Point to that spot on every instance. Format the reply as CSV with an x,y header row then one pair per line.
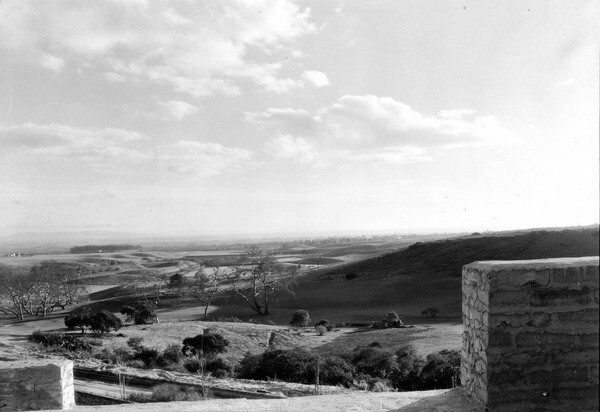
x,y
424,275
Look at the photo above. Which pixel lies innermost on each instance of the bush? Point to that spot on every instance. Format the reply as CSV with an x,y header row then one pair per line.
x,y
191,365
406,376
173,353
77,321
150,357
128,311
120,356
135,342
145,314
206,345
59,340
334,370
322,322
300,318
320,330
381,385
141,315
375,362
168,392
350,276
295,365
219,368
104,321
441,370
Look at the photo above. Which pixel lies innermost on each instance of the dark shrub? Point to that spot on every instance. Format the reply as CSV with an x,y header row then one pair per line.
x,y
59,340
295,365
169,393
407,374
145,314
141,315
392,320
219,368
335,371
350,276
206,345
135,342
128,311
104,321
77,321
322,322
375,362
150,357
172,353
320,329
191,365
300,318
440,370
249,366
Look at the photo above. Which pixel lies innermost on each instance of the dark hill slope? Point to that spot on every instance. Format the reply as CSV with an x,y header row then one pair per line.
x,y
451,255
424,275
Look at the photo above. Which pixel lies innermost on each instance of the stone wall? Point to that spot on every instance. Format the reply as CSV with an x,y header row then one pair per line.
x,y
530,339
36,384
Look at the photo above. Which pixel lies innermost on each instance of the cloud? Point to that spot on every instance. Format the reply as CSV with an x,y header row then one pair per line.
x,y
53,63
65,142
197,48
109,148
290,147
207,159
177,110
371,128
455,113
318,79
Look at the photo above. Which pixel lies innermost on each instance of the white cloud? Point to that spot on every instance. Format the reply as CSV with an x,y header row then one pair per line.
x,y
198,48
177,110
455,113
109,148
207,159
115,77
53,63
371,128
318,79
290,147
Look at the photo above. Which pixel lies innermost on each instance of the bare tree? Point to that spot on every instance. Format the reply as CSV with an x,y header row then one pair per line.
x,y
207,284
14,293
47,286
261,279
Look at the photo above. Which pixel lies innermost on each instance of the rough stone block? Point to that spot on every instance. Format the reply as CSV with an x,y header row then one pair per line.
x,y
540,338
37,384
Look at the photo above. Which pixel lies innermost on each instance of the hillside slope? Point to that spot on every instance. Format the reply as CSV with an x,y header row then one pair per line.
x,y
424,275
450,255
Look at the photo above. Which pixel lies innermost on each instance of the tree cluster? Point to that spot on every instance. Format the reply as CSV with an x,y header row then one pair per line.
x,y
140,315
100,322
45,288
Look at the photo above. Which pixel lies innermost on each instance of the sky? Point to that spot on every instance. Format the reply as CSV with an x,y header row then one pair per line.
x,y
220,117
